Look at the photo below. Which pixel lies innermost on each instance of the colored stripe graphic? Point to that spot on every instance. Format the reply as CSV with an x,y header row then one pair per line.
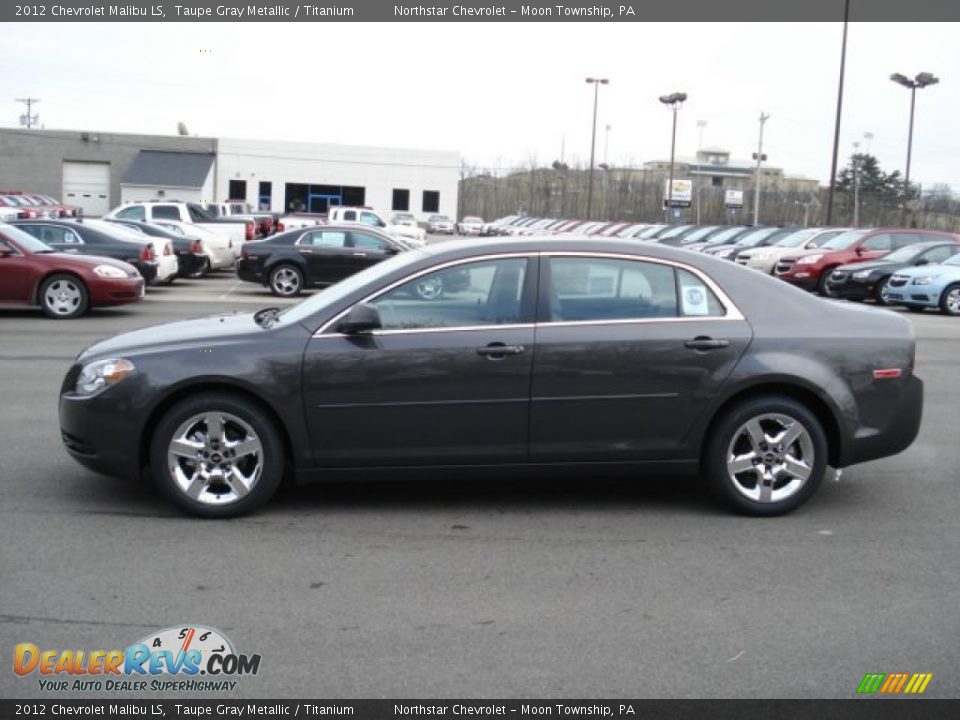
x,y
895,683
871,682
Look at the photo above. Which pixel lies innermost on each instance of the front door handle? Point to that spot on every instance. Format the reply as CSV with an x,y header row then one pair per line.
x,y
706,343
499,350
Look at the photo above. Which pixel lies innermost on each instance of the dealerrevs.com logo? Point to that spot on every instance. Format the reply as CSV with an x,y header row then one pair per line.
x,y
179,659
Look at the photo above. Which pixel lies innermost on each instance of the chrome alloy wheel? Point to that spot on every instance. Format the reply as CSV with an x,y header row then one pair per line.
x,y
286,281
770,458
952,301
63,297
215,458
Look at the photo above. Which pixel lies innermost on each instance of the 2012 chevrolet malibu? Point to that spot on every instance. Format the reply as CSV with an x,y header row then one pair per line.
x,y
563,351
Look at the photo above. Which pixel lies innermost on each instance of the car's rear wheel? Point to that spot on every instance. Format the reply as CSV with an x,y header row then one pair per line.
x,y
950,300
64,297
286,280
766,456
216,456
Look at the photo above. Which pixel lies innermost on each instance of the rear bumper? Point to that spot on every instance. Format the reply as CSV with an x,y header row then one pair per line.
x,y
896,435
250,273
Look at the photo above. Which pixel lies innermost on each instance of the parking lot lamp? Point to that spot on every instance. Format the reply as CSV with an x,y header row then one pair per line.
x,y
596,82
673,101
922,80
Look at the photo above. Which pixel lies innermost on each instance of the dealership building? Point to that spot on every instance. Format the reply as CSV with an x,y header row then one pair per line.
x,y
98,171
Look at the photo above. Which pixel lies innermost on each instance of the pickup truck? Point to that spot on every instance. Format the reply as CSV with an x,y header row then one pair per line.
x,y
236,210
367,216
238,231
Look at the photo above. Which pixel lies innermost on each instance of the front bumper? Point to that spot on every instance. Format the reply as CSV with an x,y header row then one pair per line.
x,y
116,291
913,295
852,289
804,279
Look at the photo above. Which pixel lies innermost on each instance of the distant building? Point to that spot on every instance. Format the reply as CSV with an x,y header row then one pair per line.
x,y
713,167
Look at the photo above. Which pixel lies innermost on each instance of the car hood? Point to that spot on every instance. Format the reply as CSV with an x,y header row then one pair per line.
x,y
217,329
88,262
934,270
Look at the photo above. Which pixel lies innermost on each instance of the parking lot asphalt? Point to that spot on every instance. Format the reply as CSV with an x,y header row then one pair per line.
x,y
504,587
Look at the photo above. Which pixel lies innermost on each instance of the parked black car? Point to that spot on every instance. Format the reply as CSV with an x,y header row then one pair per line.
x,y
76,237
191,260
866,280
291,261
584,352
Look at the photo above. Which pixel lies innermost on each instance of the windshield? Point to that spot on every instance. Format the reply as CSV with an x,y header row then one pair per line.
x,y
25,240
756,237
844,240
699,234
795,239
725,236
338,291
673,232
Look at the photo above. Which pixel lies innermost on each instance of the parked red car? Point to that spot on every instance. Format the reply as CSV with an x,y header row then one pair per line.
x,y
811,268
34,274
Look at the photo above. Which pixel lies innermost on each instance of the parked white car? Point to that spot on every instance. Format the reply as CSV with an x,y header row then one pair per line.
x,y
167,264
404,218
765,259
298,221
470,225
219,249
367,216
192,214
440,225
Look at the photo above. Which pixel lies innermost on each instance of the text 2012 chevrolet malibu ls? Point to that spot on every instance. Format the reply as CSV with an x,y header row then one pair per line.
x,y
554,352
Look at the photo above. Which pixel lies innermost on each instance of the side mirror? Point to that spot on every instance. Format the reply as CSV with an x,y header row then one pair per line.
x,y
362,318
860,250
5,249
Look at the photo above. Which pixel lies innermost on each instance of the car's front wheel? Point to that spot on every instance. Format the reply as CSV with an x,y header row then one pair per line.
x,y
216,456
766,456
950,300
286,281
64,297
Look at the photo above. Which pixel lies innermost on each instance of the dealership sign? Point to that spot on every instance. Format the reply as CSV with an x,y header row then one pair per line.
x,y
734,199
679,194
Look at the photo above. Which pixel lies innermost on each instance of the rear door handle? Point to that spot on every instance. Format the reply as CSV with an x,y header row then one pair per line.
x,y
495,350
706,343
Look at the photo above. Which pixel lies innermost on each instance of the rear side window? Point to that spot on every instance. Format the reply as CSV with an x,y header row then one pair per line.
x,y
584,289
324,238
166,212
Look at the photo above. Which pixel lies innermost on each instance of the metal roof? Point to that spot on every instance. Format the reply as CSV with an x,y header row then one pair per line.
x,y
168,168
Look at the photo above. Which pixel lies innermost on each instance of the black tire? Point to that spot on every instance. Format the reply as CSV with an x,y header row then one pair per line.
x,y
878,293
947,306
285,280
715,456
62,309
202,272
822,282
272,456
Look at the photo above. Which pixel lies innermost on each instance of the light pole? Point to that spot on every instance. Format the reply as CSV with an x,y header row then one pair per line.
x,y
674,101
606,142
922,80
760,157
596,82
836,126
701,124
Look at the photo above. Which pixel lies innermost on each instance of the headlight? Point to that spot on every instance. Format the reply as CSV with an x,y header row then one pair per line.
x,y
101,374
109,271
724,253
862,274
809,259
924,280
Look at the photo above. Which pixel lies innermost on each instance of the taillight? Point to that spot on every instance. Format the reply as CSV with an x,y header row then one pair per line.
x,y
196,248
168,250
147,254
31,214
280,227
250,230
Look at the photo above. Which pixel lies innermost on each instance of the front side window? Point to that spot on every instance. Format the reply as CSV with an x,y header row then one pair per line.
x,y
881,243
369,242
487,292
597,289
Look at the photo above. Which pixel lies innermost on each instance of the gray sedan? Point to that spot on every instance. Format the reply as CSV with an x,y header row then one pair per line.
x,y
544,352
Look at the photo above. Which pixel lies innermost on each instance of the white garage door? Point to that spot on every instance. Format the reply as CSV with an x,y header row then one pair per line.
x,y
87,185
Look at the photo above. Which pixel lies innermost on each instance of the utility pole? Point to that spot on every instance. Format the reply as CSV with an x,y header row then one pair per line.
x,y
29,119
606,143
596,82
760,158
856,184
